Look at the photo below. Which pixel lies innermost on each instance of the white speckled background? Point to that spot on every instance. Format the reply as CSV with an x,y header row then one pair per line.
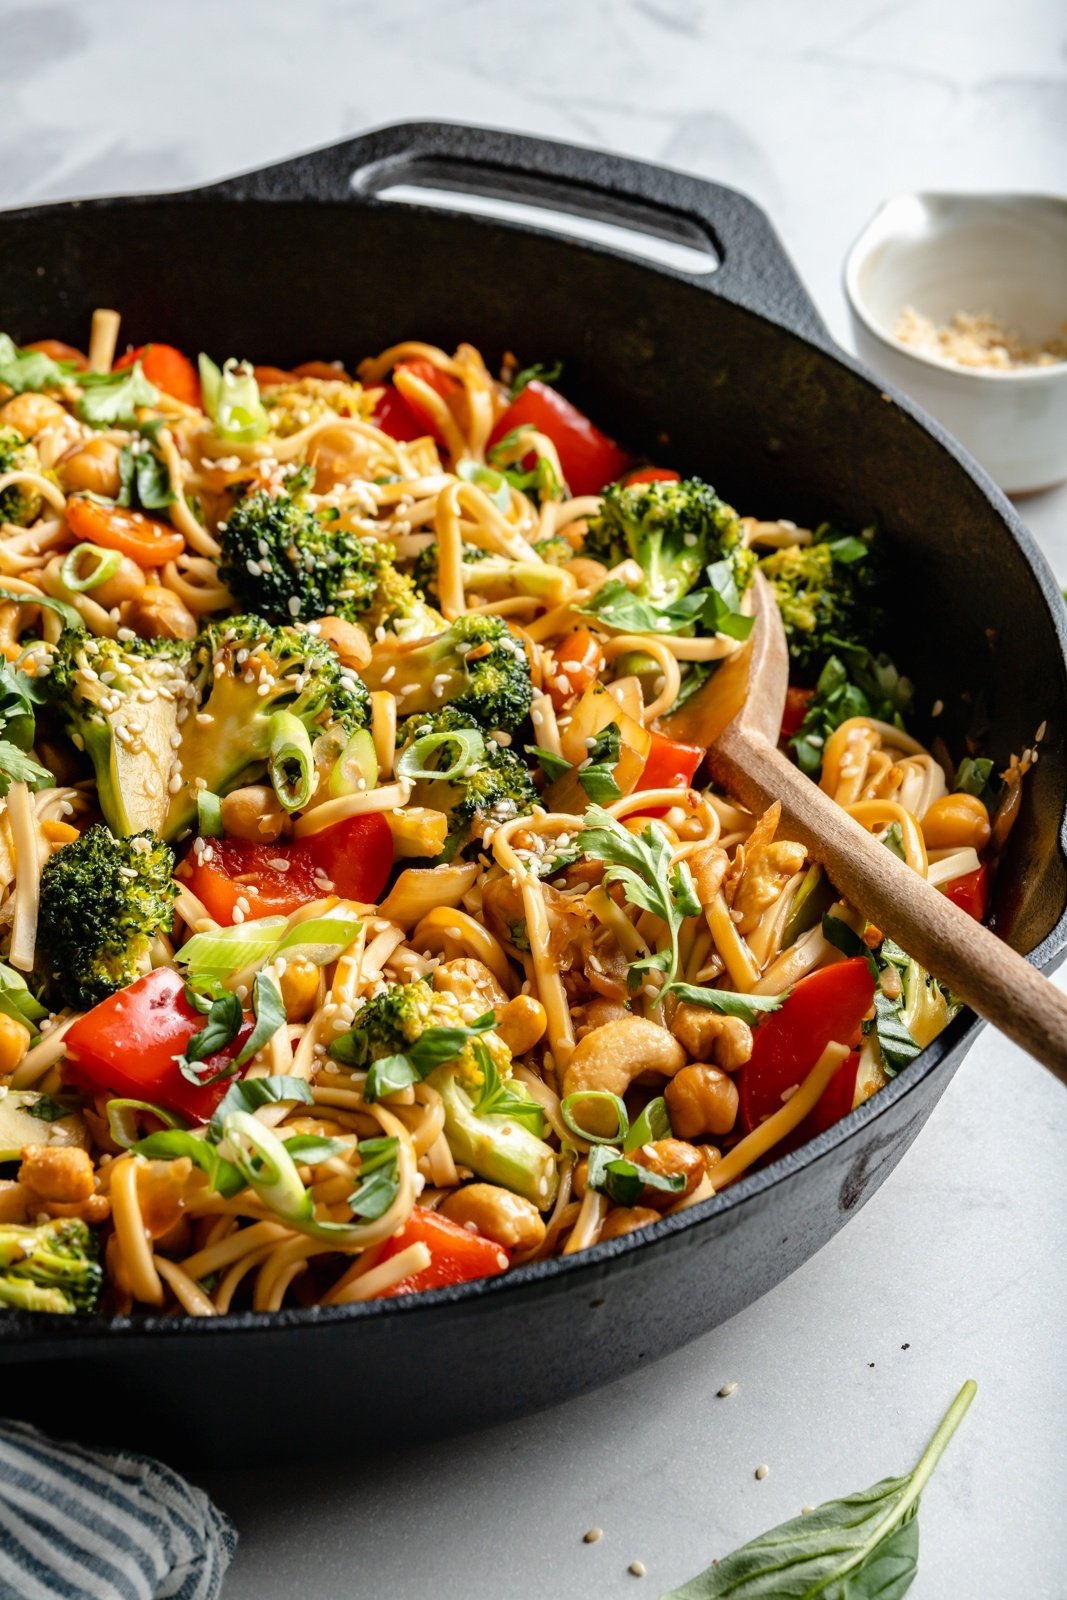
x,y
956,1269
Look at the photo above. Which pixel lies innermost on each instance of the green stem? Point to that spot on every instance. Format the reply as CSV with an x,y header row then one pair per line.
x,y
290,761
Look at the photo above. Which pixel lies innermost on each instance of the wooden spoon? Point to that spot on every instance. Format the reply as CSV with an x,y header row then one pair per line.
x,y
741,716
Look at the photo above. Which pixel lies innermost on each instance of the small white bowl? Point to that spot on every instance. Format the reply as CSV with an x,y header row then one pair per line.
x,y
943,253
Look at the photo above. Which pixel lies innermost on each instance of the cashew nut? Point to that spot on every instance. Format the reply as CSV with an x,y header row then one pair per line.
x,y
613,1055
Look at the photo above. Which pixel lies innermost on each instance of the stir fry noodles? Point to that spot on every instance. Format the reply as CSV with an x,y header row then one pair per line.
x,y
366,923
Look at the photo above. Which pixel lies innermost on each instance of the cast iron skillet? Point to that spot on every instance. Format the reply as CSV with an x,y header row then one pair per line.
x,y
732,375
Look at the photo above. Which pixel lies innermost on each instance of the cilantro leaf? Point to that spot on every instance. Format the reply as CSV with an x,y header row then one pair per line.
x,y
111,399
23,370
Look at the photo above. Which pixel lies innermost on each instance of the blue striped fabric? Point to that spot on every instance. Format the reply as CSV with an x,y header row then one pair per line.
x,y
78,1524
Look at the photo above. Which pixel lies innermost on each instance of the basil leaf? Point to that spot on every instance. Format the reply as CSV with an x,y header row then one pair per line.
x,y
379,1179
498,1097
973,776
111,399
654,1123
432,1048
622,1180
49,1109
749,1007
248,1094
386,1075
224,1018
171,1143
23,370
62,609
552,766
864,1547
269,1007
597,772
309,1149
144,478
19,699
838,933
894,1037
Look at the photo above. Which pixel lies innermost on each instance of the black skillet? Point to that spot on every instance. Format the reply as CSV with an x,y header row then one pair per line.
x,y
731,374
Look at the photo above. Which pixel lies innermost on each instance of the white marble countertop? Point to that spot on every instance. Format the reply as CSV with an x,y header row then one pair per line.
x,y
956,1267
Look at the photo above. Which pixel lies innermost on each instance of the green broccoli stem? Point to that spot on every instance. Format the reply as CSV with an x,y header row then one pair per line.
x,y
290,761
496,1148
22,1294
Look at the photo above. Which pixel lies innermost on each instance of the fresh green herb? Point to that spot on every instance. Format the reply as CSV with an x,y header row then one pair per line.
x,y
379,1178
23,370
599,1097
622,1180
536,373
111,399
494,483
864,1547
597,772
749,1007
836,931
49,1109
62,608
224,1018
269,1008
311,1148
17,767
498,1097
172,1143
894,1037
853,683
653,1124
977,775
642,864
552,766
541,478
713,609
248,1094
431,1049
144,478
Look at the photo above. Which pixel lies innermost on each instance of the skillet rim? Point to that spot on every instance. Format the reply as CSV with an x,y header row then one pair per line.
x,y
45,1336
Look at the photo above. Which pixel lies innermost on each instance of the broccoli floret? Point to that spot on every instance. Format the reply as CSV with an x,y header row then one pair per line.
x,y
262,696
103,900
477,666
825,594
119,701
282,559
673,531
556,550
19,502
493,785
51,1267
496,577
496,1146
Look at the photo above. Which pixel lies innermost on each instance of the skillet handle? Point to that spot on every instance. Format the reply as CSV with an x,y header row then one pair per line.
x,y
753,269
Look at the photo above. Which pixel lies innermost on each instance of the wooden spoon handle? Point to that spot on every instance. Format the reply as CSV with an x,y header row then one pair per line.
x,y
991,977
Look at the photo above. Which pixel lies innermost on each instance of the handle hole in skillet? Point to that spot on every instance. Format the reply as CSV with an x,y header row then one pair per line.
x,y
629,226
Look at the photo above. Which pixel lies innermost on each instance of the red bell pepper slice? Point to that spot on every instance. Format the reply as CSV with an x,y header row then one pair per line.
x,y
971,892
670,764
589,459
356,856
456,1254
396,418
796,709
826,1007
130,1042
167,368
652,475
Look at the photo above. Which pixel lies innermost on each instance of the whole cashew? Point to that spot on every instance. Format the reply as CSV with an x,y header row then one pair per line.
x,y
613,1055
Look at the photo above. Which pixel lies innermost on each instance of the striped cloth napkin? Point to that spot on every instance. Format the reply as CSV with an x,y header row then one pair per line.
x,y
79,1524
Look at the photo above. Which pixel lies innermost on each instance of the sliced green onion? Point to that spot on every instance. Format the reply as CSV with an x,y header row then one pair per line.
x,y
319,939
414,763
494,483
225,950
232,400
653,1124
356,767
266,1166
107,563
290,761
122,1119
209,815
596,1097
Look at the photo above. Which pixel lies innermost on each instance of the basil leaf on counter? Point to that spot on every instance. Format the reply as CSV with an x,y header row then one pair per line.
x,y
864,1547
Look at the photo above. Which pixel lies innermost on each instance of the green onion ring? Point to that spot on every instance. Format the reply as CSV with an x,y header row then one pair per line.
x,y
413,763
107,564
605,1097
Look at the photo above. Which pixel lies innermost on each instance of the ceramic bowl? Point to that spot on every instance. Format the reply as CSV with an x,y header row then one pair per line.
x,y
1000,253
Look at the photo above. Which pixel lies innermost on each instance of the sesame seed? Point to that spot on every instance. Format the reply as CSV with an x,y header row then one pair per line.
x,y
727,1390
637,1568
762,1471
592,1535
